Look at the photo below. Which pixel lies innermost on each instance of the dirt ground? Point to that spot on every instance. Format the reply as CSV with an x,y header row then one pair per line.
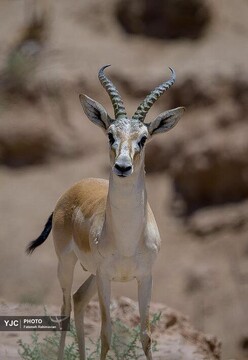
x,y
174,336
205,278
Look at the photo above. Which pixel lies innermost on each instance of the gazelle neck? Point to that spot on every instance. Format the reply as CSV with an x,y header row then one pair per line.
x,y
126,211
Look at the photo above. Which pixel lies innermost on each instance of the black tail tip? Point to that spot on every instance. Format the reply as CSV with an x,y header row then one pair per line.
x,y
43,236
30,248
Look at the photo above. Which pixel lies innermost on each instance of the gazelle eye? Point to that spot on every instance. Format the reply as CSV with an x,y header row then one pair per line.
x,y
111,138
142,141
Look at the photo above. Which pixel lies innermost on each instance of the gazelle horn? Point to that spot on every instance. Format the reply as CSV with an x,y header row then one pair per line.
x,y
114,95
154,95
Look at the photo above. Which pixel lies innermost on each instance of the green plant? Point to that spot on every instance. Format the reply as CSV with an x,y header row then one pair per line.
x,y
125,344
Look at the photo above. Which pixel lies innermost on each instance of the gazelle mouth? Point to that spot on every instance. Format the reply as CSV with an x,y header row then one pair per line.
x,y
122,175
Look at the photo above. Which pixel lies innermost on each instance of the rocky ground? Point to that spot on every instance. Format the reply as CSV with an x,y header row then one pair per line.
x,y
196,174
175,336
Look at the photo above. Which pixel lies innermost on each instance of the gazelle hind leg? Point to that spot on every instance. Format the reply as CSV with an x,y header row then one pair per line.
x,y
66,267
81,298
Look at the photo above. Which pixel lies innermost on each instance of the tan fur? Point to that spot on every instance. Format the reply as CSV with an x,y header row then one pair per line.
x,y
88,195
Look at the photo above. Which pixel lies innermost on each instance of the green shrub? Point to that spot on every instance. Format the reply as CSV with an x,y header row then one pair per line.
x,y
125,344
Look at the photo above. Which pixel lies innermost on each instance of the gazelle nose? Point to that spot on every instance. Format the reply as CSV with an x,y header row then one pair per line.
x,y
123,168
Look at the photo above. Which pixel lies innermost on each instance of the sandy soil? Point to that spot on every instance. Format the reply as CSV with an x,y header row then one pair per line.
x,y
174,335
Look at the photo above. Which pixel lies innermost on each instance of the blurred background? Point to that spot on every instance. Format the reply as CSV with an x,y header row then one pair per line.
x,y
197,174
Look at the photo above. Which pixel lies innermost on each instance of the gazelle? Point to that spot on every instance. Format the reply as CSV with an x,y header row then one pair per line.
x,y
108,225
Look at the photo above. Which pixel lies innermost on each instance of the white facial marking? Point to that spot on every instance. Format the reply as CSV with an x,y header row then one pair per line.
x,y
127,138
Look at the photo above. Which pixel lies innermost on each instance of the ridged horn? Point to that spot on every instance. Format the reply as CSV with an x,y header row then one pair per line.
x,y
154,95
114,95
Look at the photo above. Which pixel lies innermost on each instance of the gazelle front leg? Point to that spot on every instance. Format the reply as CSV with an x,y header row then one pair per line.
x,y
104,290
144,296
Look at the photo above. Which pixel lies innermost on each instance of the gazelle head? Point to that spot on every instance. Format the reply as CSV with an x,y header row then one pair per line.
x,y
128,136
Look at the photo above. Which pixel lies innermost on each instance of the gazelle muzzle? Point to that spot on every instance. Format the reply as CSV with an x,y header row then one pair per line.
x,y
123,166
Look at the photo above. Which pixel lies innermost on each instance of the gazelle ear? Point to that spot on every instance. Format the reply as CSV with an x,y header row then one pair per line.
x,y
95,111
166,121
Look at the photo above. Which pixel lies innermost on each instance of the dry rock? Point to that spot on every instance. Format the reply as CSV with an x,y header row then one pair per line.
x,y
176,338
164,19
213,169
231,217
